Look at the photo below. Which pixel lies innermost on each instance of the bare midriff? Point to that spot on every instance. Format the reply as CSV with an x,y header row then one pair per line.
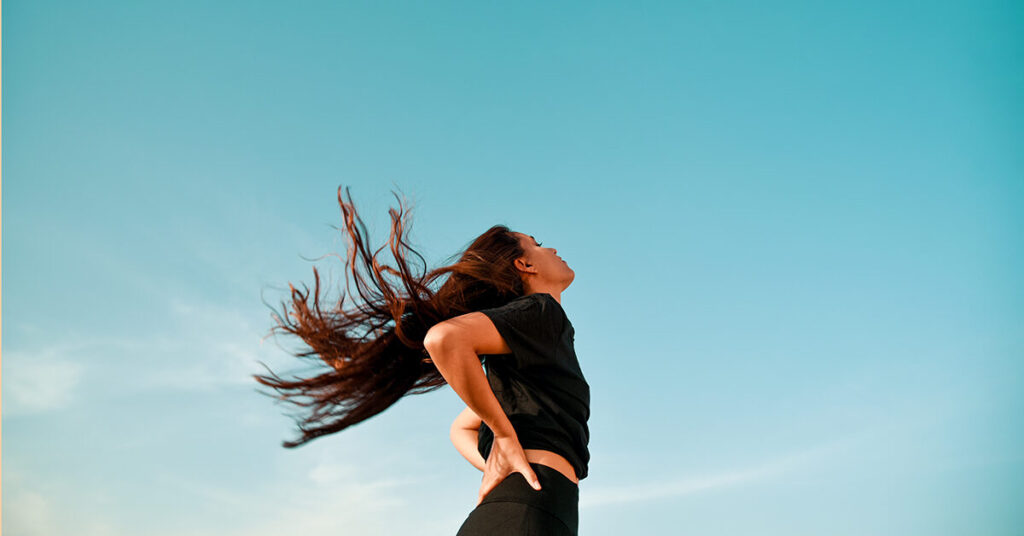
x,y
553,460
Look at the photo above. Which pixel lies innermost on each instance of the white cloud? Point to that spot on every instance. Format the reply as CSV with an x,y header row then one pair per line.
x,y
639,492
204,346
28,513
36,382
327,499
328,472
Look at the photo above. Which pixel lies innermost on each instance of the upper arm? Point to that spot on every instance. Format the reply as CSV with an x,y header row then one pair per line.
x,y
474,329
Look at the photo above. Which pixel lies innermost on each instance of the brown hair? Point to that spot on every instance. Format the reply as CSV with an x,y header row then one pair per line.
x,y
373,350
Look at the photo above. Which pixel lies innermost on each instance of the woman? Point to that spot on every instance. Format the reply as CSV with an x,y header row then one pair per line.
x,y
525,422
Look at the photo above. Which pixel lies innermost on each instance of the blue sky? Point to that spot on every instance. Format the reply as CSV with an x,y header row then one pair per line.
x,y
795,229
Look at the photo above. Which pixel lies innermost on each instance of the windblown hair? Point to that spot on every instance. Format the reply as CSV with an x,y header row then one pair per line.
x,y
371,353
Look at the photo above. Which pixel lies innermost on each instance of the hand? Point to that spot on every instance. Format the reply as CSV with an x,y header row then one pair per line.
x,y
506,457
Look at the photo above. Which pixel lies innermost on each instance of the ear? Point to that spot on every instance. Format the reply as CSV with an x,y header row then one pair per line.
x,y
524,266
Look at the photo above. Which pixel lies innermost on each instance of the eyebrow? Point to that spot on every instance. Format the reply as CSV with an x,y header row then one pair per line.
x,y
534,239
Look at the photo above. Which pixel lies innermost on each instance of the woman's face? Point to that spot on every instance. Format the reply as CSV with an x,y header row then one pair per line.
x,y
543,264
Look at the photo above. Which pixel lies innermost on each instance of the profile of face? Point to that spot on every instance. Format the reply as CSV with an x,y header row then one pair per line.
x,y
541,267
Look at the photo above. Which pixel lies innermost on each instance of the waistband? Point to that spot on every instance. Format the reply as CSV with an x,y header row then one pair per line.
x,y
558,495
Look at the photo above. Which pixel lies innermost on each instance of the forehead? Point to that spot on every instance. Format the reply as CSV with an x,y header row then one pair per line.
x,y
523,237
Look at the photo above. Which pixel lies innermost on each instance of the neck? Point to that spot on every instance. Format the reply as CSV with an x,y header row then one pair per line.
x,y
554,292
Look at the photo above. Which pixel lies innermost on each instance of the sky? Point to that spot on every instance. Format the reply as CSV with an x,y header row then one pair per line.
x,y
794,228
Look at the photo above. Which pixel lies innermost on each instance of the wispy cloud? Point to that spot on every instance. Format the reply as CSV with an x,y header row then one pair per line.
x,y
195,346
639,492
41,381
29,513
218,346
328,498
32,510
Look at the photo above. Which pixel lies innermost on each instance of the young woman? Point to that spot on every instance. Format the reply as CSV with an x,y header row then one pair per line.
x,y
525,421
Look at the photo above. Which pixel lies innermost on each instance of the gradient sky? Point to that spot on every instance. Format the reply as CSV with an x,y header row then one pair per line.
x,y
794,228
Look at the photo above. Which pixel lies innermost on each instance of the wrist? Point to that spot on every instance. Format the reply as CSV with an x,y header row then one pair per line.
x,y
506,435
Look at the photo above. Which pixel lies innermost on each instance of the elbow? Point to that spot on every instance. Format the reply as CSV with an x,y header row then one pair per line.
x,y
436,340
455,433
432,340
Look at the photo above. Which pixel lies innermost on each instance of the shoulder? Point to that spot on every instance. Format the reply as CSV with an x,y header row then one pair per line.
x,y
550,305
529,312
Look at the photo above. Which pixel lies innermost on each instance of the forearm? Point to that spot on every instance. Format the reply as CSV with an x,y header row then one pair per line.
x,y
465,442
460,366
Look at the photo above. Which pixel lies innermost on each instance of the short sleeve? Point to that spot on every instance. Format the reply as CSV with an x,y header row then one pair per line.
x,y
530,324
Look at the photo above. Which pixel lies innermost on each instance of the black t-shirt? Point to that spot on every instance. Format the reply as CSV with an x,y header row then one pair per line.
x,y
540,384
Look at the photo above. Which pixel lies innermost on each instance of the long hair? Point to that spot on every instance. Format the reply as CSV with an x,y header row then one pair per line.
x,y
371,352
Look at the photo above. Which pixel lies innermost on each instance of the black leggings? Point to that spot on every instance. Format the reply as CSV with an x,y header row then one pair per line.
x,y
514,508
